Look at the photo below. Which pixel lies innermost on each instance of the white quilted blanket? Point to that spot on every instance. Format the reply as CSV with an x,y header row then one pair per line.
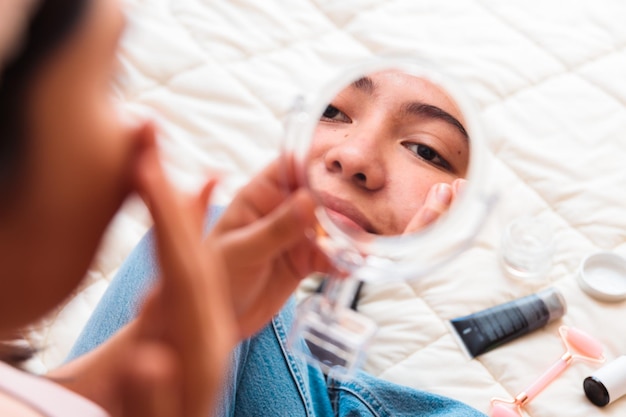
x,y
549,78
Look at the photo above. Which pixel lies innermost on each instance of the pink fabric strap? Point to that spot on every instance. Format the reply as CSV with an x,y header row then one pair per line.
x,y
48,398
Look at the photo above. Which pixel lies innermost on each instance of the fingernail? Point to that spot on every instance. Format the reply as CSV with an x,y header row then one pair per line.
x,y
459,185
444,193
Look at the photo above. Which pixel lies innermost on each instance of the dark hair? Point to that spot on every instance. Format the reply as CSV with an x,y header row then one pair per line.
x,y
50,25
16,351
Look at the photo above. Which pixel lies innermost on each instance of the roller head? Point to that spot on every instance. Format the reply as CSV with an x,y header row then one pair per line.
x,y
584,343
501,410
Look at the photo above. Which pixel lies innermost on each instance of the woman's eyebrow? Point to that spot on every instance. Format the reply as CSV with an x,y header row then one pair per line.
x,y
365,84
433,112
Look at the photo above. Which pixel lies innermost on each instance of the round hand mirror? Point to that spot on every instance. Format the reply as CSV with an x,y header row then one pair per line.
x,y
394,155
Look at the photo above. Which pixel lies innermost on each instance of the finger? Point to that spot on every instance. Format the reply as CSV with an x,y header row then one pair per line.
x,y
437,201
177,218
203,199
162,200
271,235
151,384
306,257
179,235
263,194
286,172
152,184
458,187
276,291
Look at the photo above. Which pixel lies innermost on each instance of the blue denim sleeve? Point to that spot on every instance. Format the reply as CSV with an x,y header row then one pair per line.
x,y
122,299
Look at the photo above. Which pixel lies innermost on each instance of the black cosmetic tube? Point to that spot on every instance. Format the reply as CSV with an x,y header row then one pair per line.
x,y
487,329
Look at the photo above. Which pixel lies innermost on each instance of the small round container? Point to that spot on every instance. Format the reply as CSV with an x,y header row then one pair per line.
x,y
527,247
602,275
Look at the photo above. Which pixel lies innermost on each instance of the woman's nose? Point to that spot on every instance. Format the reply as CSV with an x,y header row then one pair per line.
x,y
359,160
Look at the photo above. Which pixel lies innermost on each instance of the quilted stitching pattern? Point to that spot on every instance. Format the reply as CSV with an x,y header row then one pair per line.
x,y
549,78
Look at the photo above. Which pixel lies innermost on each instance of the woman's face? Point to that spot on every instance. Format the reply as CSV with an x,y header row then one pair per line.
x,y
380,146
79,165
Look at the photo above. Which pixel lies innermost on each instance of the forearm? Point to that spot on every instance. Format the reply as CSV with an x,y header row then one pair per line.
x,y
97,374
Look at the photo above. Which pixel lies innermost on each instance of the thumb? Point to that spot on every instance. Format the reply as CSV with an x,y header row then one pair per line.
x,y
279,230
437,201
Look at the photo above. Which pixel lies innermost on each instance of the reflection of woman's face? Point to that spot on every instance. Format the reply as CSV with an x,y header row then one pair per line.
x,y
380,146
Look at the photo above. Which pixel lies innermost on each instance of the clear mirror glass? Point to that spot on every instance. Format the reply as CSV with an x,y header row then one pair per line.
x,y
389,155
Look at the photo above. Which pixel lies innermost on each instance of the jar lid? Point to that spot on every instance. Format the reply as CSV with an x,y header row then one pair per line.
x,y
602,275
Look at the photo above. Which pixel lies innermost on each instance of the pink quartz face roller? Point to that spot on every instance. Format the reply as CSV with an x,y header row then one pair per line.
x,y
578,344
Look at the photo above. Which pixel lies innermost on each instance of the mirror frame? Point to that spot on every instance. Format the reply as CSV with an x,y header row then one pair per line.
x,y
412,255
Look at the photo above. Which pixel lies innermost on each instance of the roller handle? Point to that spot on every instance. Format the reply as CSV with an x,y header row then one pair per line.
x,y
545,379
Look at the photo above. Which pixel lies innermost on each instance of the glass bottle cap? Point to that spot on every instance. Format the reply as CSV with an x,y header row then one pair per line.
x,y
602,275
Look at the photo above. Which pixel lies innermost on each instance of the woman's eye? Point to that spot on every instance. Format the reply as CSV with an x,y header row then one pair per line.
x,y
333,114
429,154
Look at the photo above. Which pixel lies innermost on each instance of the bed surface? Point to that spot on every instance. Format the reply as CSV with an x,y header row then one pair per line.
x,y
550,85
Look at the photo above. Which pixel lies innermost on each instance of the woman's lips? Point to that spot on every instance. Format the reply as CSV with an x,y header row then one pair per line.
x,y
345,213
343,221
